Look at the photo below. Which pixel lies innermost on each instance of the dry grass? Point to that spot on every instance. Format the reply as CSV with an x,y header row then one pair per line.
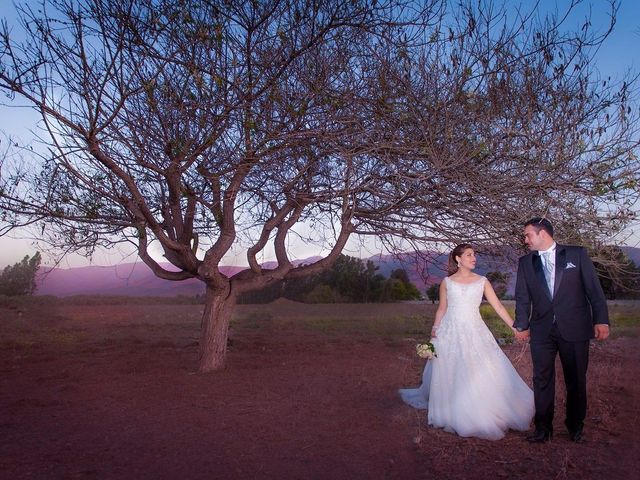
x,y
48,322
291,342
613,415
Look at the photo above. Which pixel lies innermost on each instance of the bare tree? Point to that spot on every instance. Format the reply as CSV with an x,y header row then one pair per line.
x,y
205,126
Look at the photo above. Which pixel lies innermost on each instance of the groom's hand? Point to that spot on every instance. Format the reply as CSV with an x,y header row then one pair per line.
x,y
601,331
522,336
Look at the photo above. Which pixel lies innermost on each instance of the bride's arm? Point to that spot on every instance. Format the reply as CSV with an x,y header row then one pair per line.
x,y
442,308
493,300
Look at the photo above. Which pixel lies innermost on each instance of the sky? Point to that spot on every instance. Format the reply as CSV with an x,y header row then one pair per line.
x,y
619,54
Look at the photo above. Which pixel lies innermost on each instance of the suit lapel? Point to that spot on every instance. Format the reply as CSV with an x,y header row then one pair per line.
x,y
561,262
539,271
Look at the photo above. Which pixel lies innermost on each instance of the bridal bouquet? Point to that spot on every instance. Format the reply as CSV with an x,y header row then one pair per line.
x,y
426,350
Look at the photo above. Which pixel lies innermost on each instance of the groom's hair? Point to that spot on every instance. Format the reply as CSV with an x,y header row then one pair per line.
x,y
540,223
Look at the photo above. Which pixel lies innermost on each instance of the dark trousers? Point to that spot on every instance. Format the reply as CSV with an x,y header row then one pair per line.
x,y
574,357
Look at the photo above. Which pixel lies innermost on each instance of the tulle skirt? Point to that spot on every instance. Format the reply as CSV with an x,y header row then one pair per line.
x,y
471,388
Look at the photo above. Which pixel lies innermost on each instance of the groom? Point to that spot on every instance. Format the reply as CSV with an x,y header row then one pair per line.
x,y
560,306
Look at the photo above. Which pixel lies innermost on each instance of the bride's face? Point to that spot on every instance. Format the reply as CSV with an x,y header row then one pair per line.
x,y
467,259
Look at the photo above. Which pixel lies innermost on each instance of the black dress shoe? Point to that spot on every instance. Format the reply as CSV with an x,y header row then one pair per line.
x,y
540,436
577,436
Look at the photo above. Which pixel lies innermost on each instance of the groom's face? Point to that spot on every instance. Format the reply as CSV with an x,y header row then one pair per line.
x,y
533,238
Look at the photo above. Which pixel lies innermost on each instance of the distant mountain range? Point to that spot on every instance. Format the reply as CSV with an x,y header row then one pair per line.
x,y
136,279
128,279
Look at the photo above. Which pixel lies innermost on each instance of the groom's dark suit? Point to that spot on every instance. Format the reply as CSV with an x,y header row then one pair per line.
x,y
562,322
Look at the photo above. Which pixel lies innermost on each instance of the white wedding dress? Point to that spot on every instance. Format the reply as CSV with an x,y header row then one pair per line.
x,y
471,388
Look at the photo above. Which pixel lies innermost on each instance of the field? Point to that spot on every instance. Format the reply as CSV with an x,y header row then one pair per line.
x,y
309,392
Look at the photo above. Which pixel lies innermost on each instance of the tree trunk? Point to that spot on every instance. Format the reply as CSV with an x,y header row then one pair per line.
x,y
214,332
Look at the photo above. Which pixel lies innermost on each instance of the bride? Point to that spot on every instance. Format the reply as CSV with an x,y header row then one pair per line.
x,y
471,388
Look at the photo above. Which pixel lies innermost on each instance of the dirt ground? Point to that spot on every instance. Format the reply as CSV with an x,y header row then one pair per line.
x,y
109,392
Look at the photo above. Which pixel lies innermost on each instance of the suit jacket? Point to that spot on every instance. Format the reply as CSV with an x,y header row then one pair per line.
x,y
577,303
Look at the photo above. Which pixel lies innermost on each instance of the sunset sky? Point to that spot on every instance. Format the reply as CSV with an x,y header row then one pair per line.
x,y
620,53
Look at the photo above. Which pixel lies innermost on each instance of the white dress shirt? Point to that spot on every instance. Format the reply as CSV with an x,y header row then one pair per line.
x,y
548,258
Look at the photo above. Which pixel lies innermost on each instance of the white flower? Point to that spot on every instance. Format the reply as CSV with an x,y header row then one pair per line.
x,y
426,350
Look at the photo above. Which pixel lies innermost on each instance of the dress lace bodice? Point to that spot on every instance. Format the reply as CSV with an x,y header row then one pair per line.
x,y
463,302
464,295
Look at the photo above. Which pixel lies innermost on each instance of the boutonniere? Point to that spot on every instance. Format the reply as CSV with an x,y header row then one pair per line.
x,y
569,265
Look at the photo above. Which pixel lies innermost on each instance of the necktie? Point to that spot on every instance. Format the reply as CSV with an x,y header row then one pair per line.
x,y
548,270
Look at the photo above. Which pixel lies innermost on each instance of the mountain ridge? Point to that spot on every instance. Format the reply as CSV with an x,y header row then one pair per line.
x,y
136,279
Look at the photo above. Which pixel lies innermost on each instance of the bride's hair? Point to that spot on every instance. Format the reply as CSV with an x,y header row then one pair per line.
x,y
456,252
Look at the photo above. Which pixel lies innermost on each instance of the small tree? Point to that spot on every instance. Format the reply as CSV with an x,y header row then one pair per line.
x,y
499,281
433,292
623,279
20,279
350,278
407,290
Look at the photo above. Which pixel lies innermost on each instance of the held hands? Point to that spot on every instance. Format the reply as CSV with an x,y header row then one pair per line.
x,y
521,336
601,331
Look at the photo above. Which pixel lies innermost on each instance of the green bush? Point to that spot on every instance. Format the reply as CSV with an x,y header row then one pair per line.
x,y
499,329
20,278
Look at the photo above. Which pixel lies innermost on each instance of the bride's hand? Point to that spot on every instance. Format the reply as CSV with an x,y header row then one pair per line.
x,y
522,336
434,332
